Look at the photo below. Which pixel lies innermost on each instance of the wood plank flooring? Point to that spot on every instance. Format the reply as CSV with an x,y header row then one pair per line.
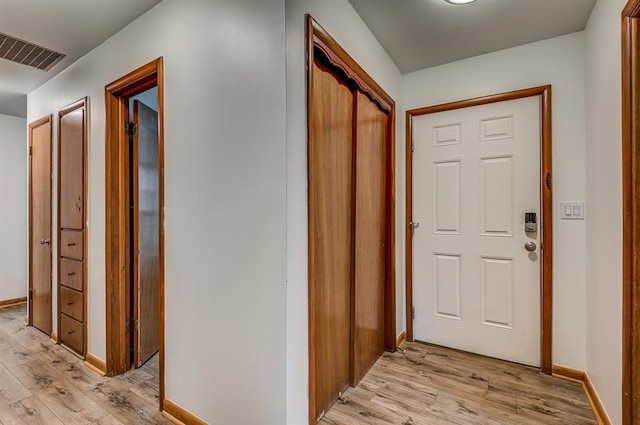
x,y
424,385
44,384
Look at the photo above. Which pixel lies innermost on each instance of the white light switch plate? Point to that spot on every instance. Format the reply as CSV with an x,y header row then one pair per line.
x,y
572,210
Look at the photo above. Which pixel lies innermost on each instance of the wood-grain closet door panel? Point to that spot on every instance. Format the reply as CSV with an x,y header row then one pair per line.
x,y
147,227
71,170
41,288
369,317
330,234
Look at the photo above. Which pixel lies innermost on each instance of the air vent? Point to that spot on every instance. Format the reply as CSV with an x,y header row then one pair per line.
x,y
25,53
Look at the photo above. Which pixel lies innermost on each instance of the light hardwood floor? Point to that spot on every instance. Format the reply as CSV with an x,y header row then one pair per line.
x,y
424,385
44,384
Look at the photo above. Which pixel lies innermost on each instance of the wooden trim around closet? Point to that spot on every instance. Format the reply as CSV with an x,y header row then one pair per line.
x,y
546,185
319,38
318,41
117,210
631,214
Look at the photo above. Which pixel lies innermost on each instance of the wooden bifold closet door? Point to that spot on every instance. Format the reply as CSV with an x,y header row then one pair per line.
x,y
348,135
331,233
370,160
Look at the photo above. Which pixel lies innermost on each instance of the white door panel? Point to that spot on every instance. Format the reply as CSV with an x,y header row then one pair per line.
x,y
475,174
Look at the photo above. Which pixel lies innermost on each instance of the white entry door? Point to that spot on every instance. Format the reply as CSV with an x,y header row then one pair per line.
x,y
476,172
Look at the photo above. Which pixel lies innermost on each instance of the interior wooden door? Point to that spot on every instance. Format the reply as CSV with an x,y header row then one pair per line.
x,y
330,236
146,228
40,311
369,301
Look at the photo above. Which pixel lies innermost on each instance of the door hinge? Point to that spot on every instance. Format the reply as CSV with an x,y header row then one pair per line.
x,y
132,325
130,128
413,313
413,225
413,146
30,150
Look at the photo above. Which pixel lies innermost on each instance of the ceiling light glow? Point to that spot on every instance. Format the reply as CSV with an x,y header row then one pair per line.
x,y
459,1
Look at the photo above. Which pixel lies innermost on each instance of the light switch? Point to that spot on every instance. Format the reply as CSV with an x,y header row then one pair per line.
x,y
572,210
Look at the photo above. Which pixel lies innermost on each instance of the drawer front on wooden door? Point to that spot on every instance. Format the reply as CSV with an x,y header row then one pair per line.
x,y
72,303
71,274
72,333
71,244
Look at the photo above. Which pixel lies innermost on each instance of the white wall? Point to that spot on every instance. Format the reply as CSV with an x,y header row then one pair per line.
x,y
148,97
13,207
225,187
604,198
559,62
13,104
341,21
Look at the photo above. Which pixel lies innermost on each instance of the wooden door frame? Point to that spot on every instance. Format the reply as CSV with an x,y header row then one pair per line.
x,y
79,104
117,212
546,199
32,126
350,70
631,213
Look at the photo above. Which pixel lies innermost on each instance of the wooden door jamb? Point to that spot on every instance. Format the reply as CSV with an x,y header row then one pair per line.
x,y
631,214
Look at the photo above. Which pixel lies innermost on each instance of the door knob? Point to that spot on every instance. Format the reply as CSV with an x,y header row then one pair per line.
x,y
44,241
530,246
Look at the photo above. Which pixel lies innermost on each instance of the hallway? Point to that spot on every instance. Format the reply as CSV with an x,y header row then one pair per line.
x,y
43,383
429,385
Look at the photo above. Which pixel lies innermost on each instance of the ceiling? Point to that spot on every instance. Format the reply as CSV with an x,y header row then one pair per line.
x,y
420,34
71,27
416,34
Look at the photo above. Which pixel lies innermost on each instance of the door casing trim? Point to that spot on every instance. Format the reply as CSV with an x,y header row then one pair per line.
x,y
117,210
546,189
631,213
35,124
